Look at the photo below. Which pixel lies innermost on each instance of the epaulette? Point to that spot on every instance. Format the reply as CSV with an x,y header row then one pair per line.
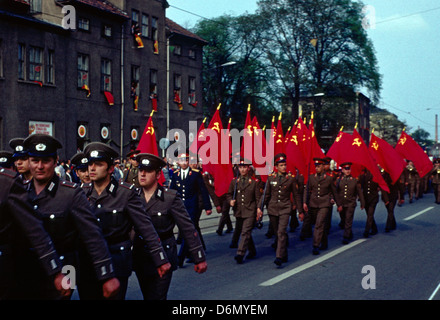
x,y
7,172
196,170
86,185
272,174
126,185
255,179
68,184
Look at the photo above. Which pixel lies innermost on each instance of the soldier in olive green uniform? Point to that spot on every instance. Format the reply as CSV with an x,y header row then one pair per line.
x,y
67,217
119,208
370,190
435,180
412,181
318,196
166,209
280,187
131,175
243,196
348,190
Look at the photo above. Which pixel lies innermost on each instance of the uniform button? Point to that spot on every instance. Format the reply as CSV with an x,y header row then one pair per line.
x,y
159,214
114,211
61,257
121,248
167,246
35,207
52,216
99,206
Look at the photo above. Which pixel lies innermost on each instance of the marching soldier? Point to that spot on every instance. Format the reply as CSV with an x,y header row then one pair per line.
x,y
131,175
81,166
329,172
348,190
435,180
318,197
243,196
189,184
166,209
277,198
390,200
370,191
16,215
66,214
119,208
21,159
412,181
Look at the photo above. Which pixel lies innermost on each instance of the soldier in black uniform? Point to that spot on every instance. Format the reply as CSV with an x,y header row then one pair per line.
x,y
20,158
81,166
166,209
16,215
119,208
67,217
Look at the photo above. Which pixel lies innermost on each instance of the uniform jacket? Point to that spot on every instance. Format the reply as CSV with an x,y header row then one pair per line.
x,y
16,211
118,209
435,175
411,174
247,196
278,194
189,189
208,179
166,210
370,188
131,177
67,216
348,190
393,195
320,190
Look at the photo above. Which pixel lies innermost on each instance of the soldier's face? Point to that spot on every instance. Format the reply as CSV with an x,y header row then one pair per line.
x,y
243,170
346,171
99,170
22,165
183,163
83,175
148,178
319,168
282,167
42,168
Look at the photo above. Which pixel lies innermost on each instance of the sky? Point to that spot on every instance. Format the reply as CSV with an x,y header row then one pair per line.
x,y
406,38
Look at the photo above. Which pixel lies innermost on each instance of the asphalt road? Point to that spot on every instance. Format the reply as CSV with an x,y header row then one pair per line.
x,y
400,265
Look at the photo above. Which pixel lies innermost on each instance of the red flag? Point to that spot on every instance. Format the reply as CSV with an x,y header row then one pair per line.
x,y
388,158
259,148
314,145
197,142
295,157
248,137
279,138
109,98
148,143
216,163
409,149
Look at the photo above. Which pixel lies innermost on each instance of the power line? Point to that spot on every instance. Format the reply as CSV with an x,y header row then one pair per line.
x,y
408,15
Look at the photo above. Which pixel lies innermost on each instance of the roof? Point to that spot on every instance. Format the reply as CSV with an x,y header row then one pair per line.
x,y
103,5
178,29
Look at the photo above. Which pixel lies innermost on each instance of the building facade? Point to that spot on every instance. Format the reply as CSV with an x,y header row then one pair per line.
x,y
92,70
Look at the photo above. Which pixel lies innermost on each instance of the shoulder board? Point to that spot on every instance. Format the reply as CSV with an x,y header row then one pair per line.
x,y
272,174
195,170
7,172
68,184
86,185
126,185
255,179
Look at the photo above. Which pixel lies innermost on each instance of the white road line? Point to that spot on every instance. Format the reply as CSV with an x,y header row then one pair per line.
x,y
418,214
310,264
434,293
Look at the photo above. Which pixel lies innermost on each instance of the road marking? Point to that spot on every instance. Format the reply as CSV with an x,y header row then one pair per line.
x,y
418,214
434,293
310,264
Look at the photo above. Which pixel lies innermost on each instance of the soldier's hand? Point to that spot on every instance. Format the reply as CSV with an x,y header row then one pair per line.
x,y
339,208
232,203
58,282
219,209
110,288
259,214
306,209
201,267
301,217
208,212
163,269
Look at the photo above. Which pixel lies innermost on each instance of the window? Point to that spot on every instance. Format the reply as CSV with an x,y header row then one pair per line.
x,y
35,6
21,61
106,31
178,50
177,88
135,75
50,67
83,70
145,26
155,34
84,24
192,53
106,75
35,64
134,16
192,91
153,83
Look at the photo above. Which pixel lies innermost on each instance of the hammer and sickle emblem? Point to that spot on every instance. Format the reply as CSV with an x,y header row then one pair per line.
x,y
357,142
375,146
150,130
402,141
294,139
249,127
216,127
